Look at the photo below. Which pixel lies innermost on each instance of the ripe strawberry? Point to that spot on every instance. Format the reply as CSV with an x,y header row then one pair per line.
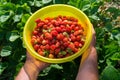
x,y
38,20
40,24
57,50
65,39
52,47
35,32
65,22
47,46
36,46
57,44
45,26
72,26
33,41
41,52
75,50
38,40
42,47
62,26
76,33
48,36
54,33
73,38
66,44
44,42
71,46
76,28
78,38
76,44
58,29
34,37
53,21
68,29
60,36
56,23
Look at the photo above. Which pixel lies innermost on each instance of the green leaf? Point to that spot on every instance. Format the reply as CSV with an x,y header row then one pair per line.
x,y
18,13
26,8
31,3
18,67
25,18
60,1
106,74
63,53
56,66
94,17
38,3
12,36
3,66
6,51
114,11
46,1
6,16
85,7
1,35
115,56
17,18
7,6
117,36
108,27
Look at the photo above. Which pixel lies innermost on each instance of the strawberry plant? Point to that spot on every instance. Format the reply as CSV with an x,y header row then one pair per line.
x,y
104,15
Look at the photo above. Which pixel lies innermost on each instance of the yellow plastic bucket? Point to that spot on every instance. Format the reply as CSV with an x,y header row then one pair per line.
x,y
53,11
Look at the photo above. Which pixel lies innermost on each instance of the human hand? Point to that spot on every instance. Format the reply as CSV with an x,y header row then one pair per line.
x,y
93,41
88,67
33,66
90,48
40,65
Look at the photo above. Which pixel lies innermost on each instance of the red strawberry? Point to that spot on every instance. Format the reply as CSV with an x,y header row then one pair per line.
x,y
37,20
52,47
57,44
48,36
47,46
41,52
65,39
36,46
73,38
78,32
33,41
54,33
68,29
71,46
44,42
45,26
58,29
57,51
35,32
78,38
60,36
76,28
76,44
40,24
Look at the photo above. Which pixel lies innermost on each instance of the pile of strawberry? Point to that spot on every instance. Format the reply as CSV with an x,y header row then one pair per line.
x,y
57,37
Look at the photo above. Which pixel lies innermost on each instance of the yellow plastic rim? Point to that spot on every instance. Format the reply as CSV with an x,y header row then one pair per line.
x,y
52,11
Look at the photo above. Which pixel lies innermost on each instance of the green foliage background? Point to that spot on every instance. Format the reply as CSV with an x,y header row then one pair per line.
x,y
104,15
